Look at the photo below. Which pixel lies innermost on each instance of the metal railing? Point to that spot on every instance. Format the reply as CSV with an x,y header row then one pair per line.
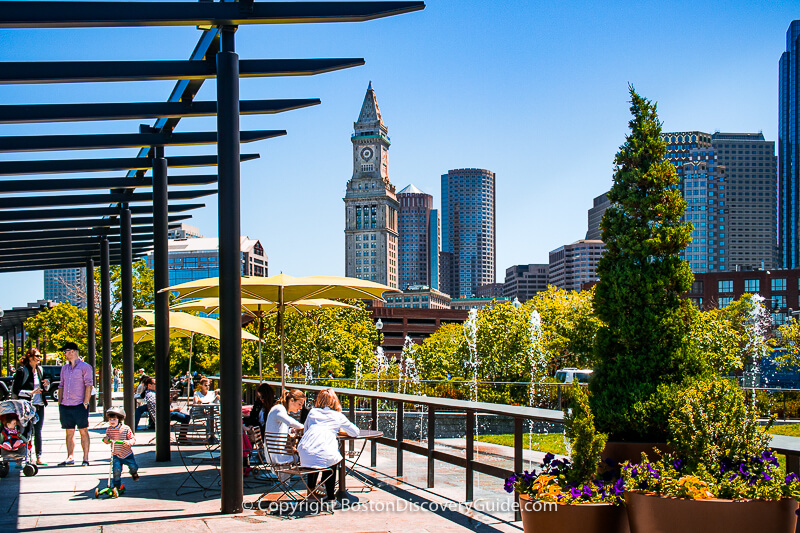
x,y
434,406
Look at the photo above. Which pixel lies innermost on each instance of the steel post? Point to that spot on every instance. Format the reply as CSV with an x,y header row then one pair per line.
x,y
230,272
126,286
91,349
373,424
105,321
161,281
470,455
399,437
431,443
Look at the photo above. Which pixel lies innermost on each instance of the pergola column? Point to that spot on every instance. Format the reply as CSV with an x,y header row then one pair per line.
x,y
230,271
126,286
105,321
161,281
91,352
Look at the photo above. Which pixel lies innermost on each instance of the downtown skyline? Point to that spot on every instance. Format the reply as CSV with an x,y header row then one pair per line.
x,y
536,93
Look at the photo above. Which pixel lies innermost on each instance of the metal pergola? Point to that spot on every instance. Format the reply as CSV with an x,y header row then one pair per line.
x,y
52,231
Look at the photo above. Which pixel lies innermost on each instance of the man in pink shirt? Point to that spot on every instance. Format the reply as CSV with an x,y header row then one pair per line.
x,y
74,393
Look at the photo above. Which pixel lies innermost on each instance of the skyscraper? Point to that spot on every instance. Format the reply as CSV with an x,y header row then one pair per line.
x,y
789,149
574,264
419,240
371,238
66,285
728,182
595,215
468,231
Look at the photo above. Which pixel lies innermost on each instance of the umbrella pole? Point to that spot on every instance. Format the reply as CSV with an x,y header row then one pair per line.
x,y
190,380
260,341
280,316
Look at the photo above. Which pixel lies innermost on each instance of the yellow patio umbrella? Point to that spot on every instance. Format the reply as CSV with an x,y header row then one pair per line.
x,y
259,309
148,334
286,290
189,325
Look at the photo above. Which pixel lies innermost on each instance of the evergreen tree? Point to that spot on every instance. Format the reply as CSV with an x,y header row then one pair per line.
x,y
642,348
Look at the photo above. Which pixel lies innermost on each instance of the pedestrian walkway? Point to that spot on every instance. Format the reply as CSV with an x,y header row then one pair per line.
x,y
62,498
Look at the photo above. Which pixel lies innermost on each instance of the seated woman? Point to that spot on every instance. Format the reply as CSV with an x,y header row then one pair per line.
x,y
279,422
265,400
319,447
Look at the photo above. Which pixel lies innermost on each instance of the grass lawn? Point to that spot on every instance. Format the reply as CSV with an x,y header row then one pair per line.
x,y
792,430
543,442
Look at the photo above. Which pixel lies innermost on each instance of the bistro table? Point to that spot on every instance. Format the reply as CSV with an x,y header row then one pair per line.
x,y
363,435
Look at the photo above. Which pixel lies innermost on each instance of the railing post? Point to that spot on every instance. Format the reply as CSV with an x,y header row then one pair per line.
x,y
431,442
373,424
399,431
517,460
351,399
470,454
559,396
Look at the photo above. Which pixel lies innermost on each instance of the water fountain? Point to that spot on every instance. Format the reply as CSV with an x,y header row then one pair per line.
x,y
308,373
358,373
381,365
471,364
757,325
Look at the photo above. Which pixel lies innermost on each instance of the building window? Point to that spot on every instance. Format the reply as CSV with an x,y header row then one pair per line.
x,y
778,284
778,318
725,302
725,285
779,302
751,285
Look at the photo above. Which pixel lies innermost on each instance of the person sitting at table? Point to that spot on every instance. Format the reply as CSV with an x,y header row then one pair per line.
x,y
319,447
175,413
265,400
204,395
279,422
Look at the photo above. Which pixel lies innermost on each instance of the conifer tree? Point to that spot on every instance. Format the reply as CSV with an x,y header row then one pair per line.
x,y
642,348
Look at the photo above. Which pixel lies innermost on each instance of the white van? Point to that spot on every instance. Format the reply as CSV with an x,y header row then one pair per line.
x,y
571,375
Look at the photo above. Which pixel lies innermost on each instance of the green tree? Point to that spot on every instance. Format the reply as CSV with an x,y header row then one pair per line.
x,y
57,325
569,326
643,341
717,341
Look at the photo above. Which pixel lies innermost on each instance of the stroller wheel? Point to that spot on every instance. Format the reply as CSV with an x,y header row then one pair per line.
x,y
4,468
35,469
29,470
96,493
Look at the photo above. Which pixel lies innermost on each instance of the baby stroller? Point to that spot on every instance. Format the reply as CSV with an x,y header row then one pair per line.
x,y
27,417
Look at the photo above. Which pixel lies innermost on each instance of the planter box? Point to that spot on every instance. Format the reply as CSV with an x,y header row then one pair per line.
x,y
656,514
622,451
541,517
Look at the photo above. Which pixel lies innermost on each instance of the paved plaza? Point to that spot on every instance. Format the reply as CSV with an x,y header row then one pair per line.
x,y
62,498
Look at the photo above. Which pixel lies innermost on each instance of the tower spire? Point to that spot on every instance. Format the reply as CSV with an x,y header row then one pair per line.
x,y
370,112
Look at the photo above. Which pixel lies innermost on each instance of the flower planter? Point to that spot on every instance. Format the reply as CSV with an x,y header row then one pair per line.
x,y
622,451
542,517
649,513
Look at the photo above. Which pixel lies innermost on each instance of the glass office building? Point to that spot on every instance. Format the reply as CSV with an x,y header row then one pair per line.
x,y
789,150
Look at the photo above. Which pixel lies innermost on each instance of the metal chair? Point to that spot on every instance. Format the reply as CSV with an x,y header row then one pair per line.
x,y
195,450
291,481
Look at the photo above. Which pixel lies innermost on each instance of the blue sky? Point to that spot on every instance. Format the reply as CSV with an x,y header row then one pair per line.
x,y
535,91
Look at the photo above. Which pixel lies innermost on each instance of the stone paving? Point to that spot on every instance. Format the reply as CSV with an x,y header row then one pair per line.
x,y
62,498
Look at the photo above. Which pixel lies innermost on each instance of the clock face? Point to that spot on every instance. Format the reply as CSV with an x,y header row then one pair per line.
x,y
366,154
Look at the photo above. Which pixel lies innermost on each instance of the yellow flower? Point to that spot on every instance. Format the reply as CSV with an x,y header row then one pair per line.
x,y
693,487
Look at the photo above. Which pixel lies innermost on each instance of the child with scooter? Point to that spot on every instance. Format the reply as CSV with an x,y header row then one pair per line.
x,y
121,438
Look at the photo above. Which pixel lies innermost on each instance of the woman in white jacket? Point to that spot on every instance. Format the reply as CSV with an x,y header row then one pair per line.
x,y
319,447
279,422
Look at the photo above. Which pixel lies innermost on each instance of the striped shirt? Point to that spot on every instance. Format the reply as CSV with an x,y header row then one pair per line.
x,y
121,432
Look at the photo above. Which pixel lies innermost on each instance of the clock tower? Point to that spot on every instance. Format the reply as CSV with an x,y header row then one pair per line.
x,y
371,207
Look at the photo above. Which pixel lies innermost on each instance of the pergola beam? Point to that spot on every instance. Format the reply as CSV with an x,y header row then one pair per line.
x,y
44,225
64,234
38,143
59,253
60,166
104,71
20,114
20,14
21,202
26,266
87,184
51,214
74,243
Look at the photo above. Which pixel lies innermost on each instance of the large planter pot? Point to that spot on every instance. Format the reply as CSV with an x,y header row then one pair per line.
x,y
543,517
622,451
657,514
